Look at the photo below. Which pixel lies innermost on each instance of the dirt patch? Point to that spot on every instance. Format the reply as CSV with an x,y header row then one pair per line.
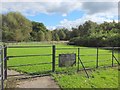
x,y
39,82
19,80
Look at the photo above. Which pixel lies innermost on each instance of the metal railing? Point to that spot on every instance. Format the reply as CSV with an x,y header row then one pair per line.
x,y
1,70
53,54
97,54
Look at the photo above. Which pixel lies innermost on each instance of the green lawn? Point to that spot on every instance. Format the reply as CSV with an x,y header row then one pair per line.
x,y
71,79
100,78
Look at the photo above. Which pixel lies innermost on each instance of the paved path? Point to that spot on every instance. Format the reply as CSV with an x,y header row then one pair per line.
x,y
26,81
39,82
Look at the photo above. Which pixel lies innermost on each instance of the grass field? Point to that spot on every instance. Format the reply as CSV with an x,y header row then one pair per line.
x,y
106,78
100,78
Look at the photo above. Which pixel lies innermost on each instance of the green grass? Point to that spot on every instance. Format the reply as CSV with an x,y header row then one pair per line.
x,y
100,78
44,59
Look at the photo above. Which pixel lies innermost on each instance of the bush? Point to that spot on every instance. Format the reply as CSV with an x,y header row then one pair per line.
x,y
94,41
113,41
78,41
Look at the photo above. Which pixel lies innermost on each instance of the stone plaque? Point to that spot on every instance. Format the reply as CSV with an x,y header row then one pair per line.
x,y
66,60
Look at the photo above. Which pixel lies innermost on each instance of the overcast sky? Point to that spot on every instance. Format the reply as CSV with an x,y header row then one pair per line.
x,y
63,13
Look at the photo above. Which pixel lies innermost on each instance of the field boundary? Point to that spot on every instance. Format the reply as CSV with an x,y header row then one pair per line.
x,y
80,61
53,55
4,57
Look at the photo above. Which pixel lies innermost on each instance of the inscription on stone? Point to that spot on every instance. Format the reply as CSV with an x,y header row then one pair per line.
x,y
66,60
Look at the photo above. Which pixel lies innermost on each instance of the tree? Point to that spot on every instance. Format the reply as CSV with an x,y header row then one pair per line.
x,y
18,25
39,27
74,33
55,36
40,36
61,35
36,26
87,28
48,36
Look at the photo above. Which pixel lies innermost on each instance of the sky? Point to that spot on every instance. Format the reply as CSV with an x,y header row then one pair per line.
x,y
63,13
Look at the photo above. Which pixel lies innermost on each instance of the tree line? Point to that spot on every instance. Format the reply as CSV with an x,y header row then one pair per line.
x,y
93,34
16,27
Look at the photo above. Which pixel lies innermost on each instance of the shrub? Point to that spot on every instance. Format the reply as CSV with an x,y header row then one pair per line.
x,y
113,41
94,41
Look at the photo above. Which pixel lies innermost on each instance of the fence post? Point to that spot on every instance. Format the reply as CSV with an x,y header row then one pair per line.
x,y
78,58
112,56
5,62
97,58
53,58
2,80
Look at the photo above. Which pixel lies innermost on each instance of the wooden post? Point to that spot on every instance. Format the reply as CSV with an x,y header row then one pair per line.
x,y
78,58
97,58
112,56
5,61
53,58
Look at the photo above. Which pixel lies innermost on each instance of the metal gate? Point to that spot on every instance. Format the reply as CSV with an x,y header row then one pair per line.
x,y
41,63
54,55
1,69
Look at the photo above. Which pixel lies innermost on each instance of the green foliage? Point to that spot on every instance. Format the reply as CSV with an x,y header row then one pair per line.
x,y
18,28
55,36
39,32
40,36
93,34
113,40
48,36
74,33
36,26
61,34
88,41
15,27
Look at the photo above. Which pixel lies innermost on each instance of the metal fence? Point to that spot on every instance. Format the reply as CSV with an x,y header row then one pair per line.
x,y
1,69
98,62
50,54
54,54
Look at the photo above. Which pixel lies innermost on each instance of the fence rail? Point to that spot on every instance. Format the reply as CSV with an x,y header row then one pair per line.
x,y
29,64
98,54
28,46
55,55
30,55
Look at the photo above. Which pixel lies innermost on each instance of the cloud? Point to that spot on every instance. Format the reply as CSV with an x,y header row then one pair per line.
x,y
98,7
95,10
33,8
62,7
59,0
64,15
95,18
58,6
24,8
51,27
